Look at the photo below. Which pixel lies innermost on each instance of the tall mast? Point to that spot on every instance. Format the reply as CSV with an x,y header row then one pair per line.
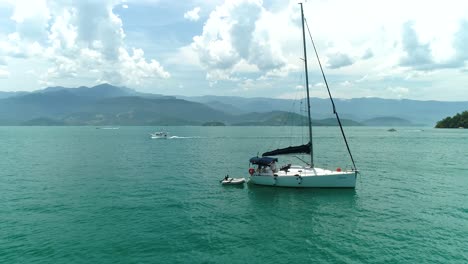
x,y
307,89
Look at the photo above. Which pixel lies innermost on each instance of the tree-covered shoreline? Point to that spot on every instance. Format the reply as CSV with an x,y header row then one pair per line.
x,y
457,121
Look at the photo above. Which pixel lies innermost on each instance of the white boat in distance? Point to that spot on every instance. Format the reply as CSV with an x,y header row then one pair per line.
x,y
267,173
159,135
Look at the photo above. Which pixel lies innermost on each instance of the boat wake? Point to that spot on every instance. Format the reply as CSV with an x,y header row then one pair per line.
x,y
177,137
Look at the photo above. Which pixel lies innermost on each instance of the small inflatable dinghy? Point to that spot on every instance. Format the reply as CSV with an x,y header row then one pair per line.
x,y
232,181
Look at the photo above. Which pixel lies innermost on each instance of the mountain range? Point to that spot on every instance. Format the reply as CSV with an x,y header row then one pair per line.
x,y
411,112
110,105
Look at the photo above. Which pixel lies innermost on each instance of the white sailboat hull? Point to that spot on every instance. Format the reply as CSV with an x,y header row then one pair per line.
x,y
306,178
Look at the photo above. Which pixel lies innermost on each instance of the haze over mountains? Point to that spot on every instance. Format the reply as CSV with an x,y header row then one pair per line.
x,y
110,105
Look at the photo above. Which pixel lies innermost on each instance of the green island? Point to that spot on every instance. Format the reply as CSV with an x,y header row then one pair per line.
x,y
457,121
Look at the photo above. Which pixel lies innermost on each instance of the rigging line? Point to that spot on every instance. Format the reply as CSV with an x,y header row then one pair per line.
x,y
331,98
298,97
301,160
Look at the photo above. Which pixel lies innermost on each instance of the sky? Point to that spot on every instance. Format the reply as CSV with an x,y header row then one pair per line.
x,y
389,49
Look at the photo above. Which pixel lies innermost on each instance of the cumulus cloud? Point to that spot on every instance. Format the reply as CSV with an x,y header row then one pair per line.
x,y
82,38
398,91
193,15
31,18
338,60
234,35
136,68
417,55
459,44
17,47
461,38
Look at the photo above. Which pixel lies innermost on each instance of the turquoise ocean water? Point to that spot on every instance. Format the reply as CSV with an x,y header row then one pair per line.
x,y
86,195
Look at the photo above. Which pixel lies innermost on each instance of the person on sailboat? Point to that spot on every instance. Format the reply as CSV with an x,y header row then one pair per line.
x,y
273,167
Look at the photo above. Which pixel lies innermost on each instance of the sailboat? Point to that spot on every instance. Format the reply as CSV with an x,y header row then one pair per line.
x,y
268,173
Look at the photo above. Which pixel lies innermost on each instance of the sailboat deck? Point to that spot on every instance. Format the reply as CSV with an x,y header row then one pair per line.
x,y
303,171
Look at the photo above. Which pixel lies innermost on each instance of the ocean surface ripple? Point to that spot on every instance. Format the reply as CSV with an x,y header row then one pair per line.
x,y
85,195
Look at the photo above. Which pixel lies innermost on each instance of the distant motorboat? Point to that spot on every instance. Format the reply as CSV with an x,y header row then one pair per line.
x,y
391,130
159,135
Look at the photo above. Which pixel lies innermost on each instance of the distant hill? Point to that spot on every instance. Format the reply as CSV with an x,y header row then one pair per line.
x,y
111,105
52,105
102,105
227,108
334,122
387,121
43,122
102,91
273,118
10,94
359,109
241,105
133,110
457,121
279,118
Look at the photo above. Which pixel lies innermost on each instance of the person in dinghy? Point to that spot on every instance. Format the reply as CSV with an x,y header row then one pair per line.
x,y
227,181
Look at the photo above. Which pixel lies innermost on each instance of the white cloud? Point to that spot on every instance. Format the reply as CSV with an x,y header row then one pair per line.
x,y
417,54
79,39
31,19
398,91
338,60
424,56
269,41
193,15
346,84
185,56
260,41
237,36
17,47
4,73
460,38
136,68
244,67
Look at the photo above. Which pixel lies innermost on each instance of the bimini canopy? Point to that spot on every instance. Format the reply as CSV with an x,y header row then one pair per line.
x,y
303,149
263,161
